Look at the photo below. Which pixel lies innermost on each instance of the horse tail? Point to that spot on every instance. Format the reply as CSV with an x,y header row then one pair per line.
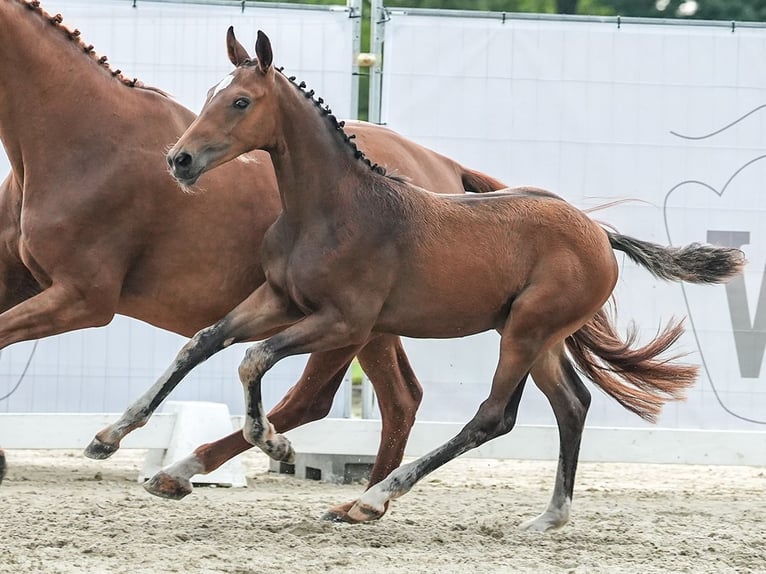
x,y
478,182
637,377
694,263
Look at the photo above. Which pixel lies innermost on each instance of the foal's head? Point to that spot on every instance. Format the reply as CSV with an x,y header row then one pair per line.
x,y
239,114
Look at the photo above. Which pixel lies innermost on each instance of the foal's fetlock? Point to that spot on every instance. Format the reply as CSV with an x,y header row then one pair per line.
x,y
279,448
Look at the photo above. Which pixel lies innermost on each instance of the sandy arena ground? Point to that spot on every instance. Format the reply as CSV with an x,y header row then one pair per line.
x,y
63,513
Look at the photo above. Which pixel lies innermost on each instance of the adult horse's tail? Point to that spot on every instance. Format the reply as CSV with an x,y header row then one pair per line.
x,y
478,182
640,379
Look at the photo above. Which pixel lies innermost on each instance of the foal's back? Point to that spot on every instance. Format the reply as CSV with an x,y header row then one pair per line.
x,y
500,244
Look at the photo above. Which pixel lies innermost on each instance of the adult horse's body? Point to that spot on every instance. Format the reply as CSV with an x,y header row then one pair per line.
x,y
80,241
523,262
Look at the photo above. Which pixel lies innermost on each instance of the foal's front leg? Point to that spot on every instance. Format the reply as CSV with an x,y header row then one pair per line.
x,y
318,332
258,315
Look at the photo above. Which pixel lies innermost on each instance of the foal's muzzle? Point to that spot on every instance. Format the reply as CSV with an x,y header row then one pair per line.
x,y
181,164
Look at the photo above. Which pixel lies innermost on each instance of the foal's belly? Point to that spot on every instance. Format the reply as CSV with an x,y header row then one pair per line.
x,y
443,314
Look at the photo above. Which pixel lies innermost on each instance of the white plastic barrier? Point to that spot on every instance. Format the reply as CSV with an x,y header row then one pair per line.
x,y
361,437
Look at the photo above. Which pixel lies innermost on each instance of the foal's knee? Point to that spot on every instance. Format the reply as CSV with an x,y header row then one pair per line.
x,y
257,361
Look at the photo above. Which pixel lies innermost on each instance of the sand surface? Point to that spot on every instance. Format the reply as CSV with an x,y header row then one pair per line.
x,y
60,512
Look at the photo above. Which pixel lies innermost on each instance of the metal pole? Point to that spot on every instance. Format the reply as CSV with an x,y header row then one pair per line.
x,y
355,13
377,31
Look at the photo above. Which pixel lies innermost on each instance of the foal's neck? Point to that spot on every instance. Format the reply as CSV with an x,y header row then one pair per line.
x,y
313,158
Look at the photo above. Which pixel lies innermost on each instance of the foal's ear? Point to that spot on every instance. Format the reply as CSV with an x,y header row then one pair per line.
x,y
237,53
263,52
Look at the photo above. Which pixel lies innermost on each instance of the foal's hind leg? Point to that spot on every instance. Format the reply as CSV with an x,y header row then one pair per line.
x,y
528,330
2,465
554,374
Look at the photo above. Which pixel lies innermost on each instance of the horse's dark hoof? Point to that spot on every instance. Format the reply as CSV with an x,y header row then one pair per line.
x,y
166,486
334,516
341,513
2,466
100,450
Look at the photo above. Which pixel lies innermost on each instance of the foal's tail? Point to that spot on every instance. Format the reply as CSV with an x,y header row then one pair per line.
x,y
694,263
637,378
640,378
478,182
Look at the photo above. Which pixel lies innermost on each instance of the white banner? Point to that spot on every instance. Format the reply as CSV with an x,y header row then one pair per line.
x,y
181,49
671,117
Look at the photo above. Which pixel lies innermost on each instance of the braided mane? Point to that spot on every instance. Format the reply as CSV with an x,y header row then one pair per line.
x,y
338,127
74,36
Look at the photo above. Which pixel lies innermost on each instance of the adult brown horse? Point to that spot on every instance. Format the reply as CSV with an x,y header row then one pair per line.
x,y
523,262
80,242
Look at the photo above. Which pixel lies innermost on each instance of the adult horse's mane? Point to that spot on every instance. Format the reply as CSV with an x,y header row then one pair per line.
x,y
74,36
336,124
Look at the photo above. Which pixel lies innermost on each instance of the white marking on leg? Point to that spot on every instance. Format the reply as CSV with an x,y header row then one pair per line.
x,y
396,484
374,499
553,518
185,468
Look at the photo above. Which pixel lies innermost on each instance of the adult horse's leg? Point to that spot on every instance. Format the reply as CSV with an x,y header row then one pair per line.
x,y
2,465
399,394
555,376
272,314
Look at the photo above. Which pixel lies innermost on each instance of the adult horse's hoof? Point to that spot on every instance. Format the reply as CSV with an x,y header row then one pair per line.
x,y
2,466
99,450
166,486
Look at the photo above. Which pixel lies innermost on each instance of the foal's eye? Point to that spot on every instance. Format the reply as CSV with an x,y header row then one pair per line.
x,y
241,103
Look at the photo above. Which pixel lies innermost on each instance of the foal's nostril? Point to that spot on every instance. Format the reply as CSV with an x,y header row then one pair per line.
x,y
182,159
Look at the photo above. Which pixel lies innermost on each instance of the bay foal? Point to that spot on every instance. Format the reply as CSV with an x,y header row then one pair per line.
x,y
355,253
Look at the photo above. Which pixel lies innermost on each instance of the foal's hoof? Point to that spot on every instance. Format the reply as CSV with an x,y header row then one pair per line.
x,y
100,450
339,513
361,512
543,523
2,466
166,486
